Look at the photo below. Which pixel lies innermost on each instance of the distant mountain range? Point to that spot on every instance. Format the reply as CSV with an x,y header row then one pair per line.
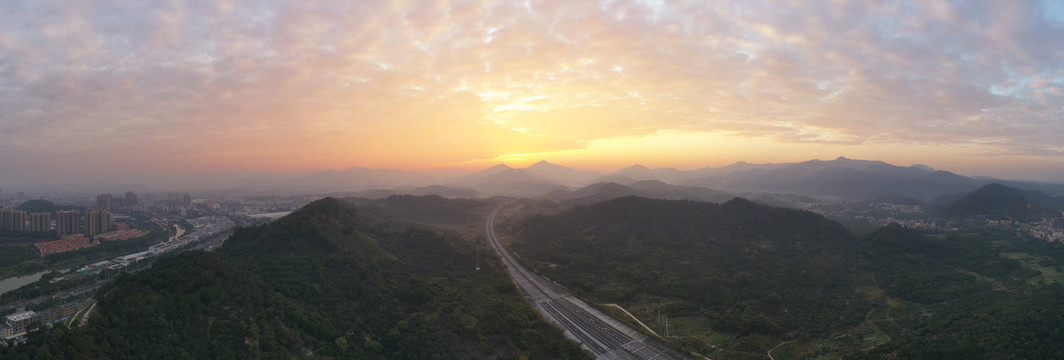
x,y
841,179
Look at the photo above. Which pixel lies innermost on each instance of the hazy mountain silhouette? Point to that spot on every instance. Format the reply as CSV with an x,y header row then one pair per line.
x,y
617,179
510,182
484,173
653,189
640,172
838,179
733,168
560,174
998,201
843,178
359,178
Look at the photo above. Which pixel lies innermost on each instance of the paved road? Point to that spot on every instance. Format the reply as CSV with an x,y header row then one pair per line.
x,y
599,333
65,294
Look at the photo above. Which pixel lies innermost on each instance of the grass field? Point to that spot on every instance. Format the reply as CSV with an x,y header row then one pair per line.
x,y
1031,261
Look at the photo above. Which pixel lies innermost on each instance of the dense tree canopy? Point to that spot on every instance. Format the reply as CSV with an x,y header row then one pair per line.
x,y
321,282
766,275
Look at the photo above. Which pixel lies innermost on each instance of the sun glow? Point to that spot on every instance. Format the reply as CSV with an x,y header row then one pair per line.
x,y
463,84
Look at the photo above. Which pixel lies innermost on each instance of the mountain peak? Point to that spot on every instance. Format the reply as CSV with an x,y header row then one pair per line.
x,y
497,169
923,167
543,163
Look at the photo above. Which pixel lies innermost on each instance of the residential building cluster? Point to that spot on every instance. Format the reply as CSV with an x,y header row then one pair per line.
x,y
173,203
127,203
40,221
923,224
62,312
1047,229
70,222
75,242
67,222
910,209
18,324
122,234
97,221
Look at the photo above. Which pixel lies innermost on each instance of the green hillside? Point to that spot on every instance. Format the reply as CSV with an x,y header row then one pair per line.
x,y
737,279
998,201
322,282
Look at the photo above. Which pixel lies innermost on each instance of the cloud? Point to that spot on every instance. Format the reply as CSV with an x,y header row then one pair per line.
x,y
351,82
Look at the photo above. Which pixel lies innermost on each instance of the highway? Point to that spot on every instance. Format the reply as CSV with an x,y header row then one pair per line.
x,y
601,334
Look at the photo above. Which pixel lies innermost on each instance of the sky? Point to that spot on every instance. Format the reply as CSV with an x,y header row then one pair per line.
x,y
136,89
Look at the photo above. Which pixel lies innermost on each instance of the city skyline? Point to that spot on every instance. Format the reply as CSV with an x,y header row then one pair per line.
x,y
113,91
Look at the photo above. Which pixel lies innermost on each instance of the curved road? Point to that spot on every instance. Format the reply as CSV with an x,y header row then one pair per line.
x,y
602,335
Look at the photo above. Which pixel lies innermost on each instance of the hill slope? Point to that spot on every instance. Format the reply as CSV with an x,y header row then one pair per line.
x,y
737,279
1000,202
321,282
736,261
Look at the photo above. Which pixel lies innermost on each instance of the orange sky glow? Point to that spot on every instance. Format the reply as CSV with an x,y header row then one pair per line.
x,y
108,88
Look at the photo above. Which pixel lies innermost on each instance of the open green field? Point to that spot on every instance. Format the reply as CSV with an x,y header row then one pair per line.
x,y
1050,274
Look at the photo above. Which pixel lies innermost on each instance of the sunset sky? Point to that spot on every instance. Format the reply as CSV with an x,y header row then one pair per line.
x,y
172,88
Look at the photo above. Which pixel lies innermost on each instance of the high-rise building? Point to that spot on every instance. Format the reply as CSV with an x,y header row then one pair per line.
x,y
179,199
105,201
20,220
68,222
41,221
97,221
13,220
7,219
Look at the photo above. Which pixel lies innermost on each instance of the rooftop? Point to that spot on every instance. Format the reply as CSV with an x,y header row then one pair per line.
x,y
25,315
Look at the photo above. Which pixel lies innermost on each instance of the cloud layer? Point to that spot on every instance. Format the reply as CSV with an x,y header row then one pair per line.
x,y
300,85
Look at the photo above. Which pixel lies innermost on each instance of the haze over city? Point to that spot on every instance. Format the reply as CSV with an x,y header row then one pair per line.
x,y
130,91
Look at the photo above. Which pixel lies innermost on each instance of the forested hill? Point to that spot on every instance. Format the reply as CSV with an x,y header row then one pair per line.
x,y
998,201
681,223
323,282
741,263
737,279
428,209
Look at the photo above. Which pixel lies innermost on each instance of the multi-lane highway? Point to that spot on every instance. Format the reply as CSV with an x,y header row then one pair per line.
x,y
599,333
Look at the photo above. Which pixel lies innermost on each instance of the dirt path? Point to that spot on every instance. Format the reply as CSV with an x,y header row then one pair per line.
x,y
634,318
85,317
774,348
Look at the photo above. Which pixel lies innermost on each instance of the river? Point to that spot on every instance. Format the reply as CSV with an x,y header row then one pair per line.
x,y
16,282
